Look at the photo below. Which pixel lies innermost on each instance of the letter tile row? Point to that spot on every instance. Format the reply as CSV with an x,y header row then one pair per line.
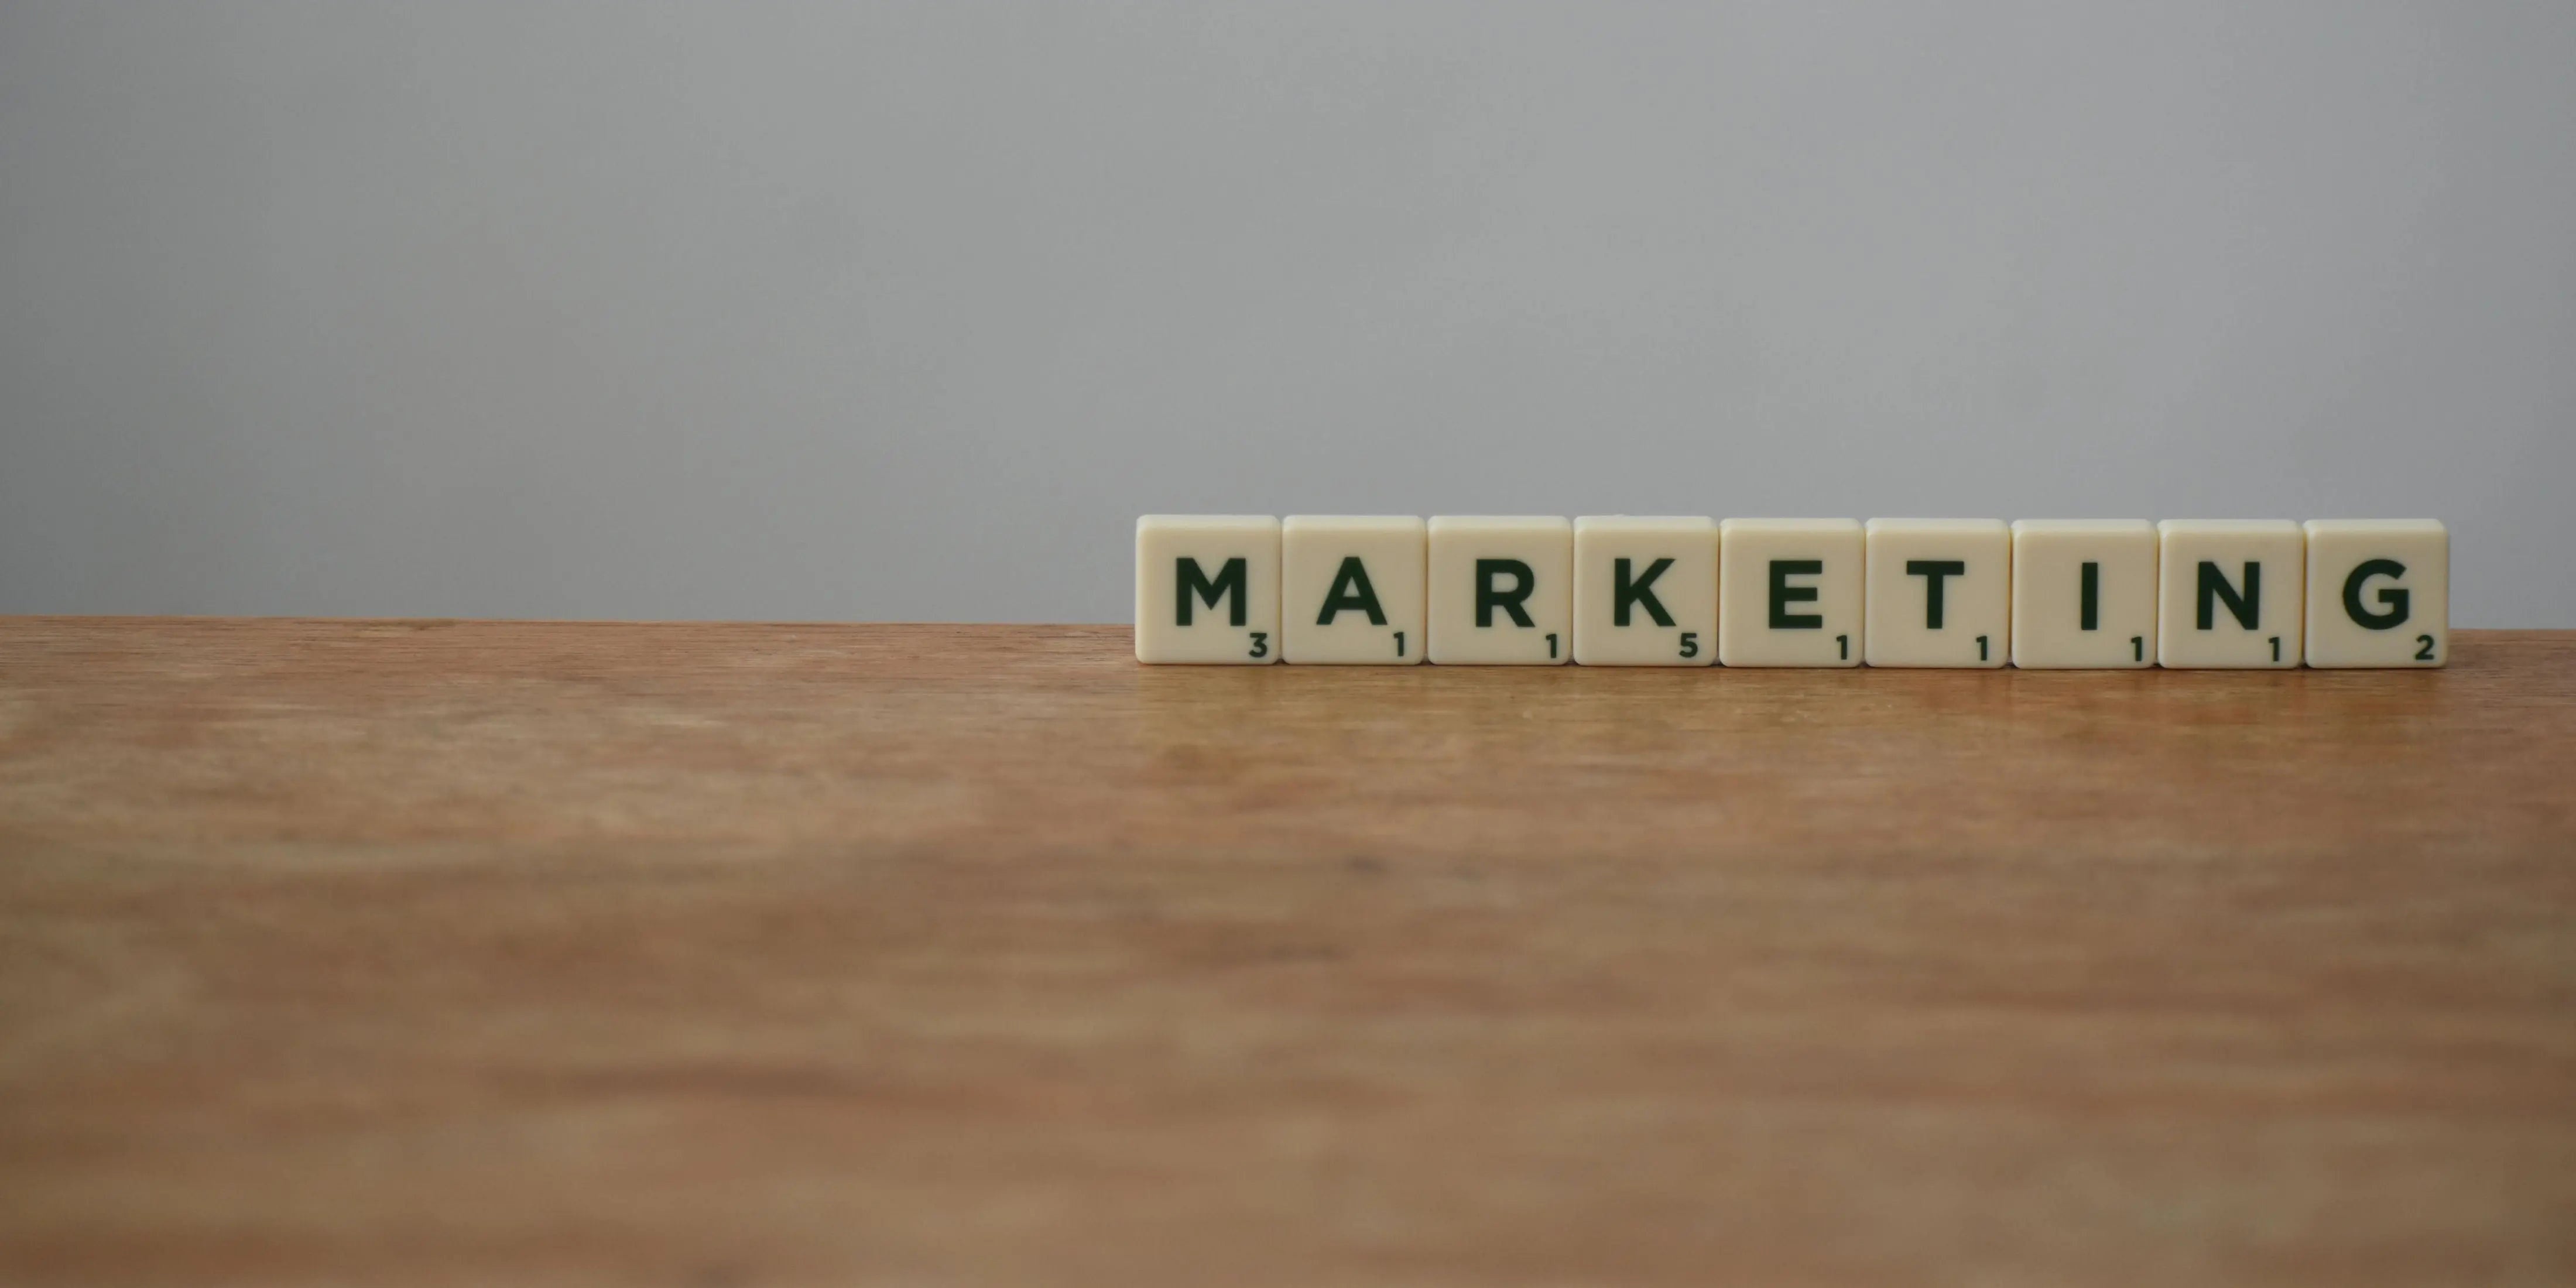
x,y
1625,591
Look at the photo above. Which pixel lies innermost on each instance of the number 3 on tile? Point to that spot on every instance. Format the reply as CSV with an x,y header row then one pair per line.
x,y
1261,644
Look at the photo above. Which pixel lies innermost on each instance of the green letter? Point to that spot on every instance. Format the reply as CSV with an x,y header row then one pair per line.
x,y
2092,611
1783,594
1623,594
1488,599
2394,597
2247,607
1351,589
1932,571
1229,581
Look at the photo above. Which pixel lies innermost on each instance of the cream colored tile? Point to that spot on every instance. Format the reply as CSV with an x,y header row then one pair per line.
x,y
1790,592
2084,593
2379,592
2230,593
1352,589
1940,592
1501,591
1645,591
1207,588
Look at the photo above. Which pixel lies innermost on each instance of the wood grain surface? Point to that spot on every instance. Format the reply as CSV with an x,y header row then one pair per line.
x,y
533,953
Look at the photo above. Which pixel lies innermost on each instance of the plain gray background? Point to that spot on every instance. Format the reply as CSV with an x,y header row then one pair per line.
x,y
907,311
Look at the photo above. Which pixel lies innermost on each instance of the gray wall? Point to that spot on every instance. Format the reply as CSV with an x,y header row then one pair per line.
x,y
906,311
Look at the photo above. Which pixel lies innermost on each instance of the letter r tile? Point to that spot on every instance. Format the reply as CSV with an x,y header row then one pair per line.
x,y
1501,591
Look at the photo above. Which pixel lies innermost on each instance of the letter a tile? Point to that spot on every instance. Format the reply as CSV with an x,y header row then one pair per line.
x,y
1352,589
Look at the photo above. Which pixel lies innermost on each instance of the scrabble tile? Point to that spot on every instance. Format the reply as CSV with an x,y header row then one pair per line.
x,y
1502,591
1207,588
2229,592
2084,593
1940,592
1352,590
1645,591
1789,592
2379,592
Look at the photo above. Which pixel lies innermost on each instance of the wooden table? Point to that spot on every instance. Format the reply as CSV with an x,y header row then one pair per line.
x,y
733,954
